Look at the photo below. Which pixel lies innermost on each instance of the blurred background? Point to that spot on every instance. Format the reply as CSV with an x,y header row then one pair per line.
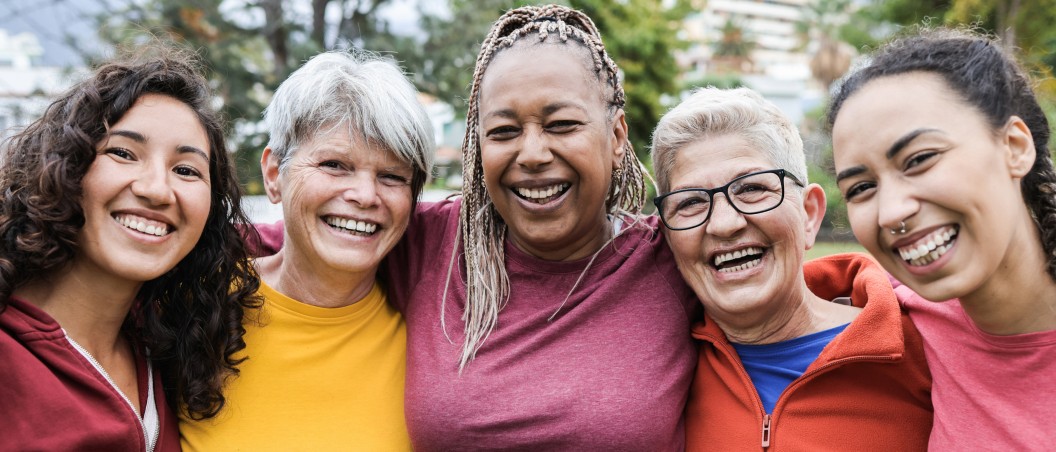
x,y
791,51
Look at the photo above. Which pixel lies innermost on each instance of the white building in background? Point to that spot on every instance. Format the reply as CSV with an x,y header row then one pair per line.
x,y
780,68
25,88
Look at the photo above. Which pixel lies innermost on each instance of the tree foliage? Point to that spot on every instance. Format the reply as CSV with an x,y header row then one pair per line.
x,y
642,36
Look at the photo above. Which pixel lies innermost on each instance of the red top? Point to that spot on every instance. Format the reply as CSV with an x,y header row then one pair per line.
x,y
870,389
52,398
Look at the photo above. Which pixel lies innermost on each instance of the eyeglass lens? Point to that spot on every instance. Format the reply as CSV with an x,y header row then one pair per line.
x,y
749,194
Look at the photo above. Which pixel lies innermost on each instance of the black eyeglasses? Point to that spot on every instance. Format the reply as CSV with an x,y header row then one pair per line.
x,y
749,194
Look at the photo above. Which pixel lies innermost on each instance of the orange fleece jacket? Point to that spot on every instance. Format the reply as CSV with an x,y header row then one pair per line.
x,y
870,388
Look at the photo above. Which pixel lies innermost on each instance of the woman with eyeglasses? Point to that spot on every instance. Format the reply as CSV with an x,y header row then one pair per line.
x,y
952,189
815,357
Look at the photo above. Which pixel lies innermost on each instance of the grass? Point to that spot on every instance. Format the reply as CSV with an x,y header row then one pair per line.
x,y
821,249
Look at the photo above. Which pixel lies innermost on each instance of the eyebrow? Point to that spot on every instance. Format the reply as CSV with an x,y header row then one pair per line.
x,y
549,109
895,148
140,138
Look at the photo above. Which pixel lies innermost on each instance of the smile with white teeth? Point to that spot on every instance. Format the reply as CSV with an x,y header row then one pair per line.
x,y
738,260
930,248
544,194
136,223
353,226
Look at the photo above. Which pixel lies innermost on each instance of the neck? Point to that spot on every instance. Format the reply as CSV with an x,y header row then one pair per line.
x,y
287,273
1019,299
799,314
90,306
583,247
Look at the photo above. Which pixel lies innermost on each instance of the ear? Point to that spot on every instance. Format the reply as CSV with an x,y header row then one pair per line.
x,y
269,167
619,138
1020,146
814,206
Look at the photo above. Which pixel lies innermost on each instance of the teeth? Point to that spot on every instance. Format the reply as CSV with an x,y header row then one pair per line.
x,y
143,225
930,248
541,193
352,225
726,257
744,266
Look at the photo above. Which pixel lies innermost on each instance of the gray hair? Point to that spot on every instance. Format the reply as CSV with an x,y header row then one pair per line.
x,y
711,112
360,90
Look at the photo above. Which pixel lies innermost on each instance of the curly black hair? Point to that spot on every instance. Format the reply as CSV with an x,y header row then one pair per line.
x,y
987,77
190,318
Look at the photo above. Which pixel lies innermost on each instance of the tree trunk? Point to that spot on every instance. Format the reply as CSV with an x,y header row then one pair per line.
x,y
319,22
276,35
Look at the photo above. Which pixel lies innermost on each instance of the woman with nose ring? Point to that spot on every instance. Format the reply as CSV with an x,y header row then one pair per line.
x,y
941,152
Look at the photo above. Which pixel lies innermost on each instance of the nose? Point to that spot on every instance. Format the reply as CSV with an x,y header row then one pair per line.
x,y
725,221
535,150
361,189
896,203
152,184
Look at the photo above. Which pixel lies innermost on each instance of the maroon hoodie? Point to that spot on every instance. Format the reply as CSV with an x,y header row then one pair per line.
x,y
52,398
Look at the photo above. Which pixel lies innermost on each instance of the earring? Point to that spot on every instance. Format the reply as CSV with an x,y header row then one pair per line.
x,y
900,230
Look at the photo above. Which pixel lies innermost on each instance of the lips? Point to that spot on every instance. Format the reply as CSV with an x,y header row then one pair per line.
x,y
737,260
144,225
930,247
542,195
354,226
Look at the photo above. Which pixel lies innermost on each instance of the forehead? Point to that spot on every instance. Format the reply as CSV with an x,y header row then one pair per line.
x,y
714,160
165,120
885,109
345,141
567,65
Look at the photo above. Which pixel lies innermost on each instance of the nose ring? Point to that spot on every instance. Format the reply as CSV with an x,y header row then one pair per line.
x,y
901,228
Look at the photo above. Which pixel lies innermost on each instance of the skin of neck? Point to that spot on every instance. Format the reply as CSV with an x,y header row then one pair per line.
x,y
311,283
1020,298
90,306
580,249
796,315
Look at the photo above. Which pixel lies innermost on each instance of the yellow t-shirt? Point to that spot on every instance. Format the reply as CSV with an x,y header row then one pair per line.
x,y
316,379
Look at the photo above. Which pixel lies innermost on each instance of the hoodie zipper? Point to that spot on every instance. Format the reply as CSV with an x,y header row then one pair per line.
x,y
767,428
149,442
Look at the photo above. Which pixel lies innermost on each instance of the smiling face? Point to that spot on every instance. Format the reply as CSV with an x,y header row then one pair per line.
x,y
907,149
549,144
146,196
742,264
345,202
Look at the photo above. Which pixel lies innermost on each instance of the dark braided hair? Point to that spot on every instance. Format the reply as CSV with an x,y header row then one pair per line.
x,y
191,317
987,77
482,228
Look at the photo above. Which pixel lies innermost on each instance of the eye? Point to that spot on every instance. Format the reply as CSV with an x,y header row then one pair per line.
x,y
188,171
858,191
393,180
333,164
918,159
563,126
503,133
121,153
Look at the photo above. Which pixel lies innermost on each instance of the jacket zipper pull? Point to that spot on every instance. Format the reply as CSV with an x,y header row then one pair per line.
x,y
766,431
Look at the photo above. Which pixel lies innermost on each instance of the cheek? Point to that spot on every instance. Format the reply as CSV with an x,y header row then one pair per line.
x,y
864,225
686,246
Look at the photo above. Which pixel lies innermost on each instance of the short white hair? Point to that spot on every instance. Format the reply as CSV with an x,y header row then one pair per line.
x,y
360,90
712,112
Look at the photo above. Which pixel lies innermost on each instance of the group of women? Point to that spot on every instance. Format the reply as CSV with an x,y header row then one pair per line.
x,y
541,310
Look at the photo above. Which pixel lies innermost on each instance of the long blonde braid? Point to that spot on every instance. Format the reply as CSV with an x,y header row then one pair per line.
x,y
482,229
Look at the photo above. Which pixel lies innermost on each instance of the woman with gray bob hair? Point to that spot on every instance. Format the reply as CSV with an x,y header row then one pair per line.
x,y
365,92
795,355
350,150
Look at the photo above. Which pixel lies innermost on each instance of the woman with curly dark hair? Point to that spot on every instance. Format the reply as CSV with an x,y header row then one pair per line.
x,y
121,270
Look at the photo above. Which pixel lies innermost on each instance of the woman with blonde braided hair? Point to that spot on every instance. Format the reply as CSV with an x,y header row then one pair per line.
x,y
543,311
564,324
